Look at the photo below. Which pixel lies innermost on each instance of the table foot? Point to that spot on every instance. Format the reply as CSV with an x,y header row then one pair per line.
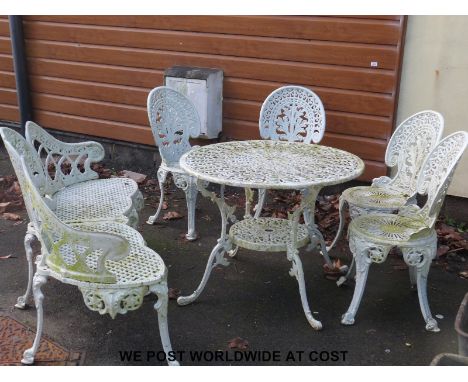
x,y
297,272
216,258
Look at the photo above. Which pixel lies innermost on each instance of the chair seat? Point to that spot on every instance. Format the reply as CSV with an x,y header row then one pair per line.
x,y
116,199
142,267
375,197
389,229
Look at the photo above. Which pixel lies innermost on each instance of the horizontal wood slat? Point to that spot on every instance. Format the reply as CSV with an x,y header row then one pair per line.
x,y
344,123
91,109
260,69
9,113
4,28
8,96
366,148
321,52
6,63
94,127
108,74
5,45
333,99
336,100
7,80
303,27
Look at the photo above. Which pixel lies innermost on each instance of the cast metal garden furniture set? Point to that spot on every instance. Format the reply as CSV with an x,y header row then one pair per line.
x,y
84,224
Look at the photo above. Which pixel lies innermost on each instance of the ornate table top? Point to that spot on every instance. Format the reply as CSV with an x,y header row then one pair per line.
x,y
271,164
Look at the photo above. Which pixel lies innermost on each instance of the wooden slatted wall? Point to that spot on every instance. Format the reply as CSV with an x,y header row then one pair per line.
x,y
8,102
92,74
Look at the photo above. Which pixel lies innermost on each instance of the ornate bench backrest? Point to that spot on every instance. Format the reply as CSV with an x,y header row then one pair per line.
x,y
64,163
173,119
71,253
410,145
294,114
437,172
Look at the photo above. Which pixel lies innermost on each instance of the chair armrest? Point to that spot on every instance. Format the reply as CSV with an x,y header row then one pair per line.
x,y
83,244
381,181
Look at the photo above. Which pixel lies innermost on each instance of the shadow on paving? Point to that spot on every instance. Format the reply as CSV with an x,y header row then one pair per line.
x,y
254,298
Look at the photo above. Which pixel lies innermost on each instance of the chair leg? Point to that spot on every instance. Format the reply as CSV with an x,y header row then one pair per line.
x,y
362,269
341,207
161,291
191,193
162,175
421,260
22,301
413,275
261,201
38,282
297,271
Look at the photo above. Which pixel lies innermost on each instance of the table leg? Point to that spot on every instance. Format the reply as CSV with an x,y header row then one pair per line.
x,y
316,237
293,255
223,246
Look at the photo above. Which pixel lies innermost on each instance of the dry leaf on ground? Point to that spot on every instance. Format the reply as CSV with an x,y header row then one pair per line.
x,y
172,215
174,293
238,343
11,216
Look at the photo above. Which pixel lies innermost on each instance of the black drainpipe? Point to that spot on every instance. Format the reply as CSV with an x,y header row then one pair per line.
x,y
21,72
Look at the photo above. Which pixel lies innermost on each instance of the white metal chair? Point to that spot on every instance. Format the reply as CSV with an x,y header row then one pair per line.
x,y
372,236
174,119
76,192
74,197
293,114
107,261
407,149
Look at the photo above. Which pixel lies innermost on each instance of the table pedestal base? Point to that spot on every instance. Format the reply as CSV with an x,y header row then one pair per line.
x,y
267,235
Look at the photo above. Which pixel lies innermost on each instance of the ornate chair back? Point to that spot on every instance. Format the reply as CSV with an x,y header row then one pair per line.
x,y
437,172
294,114
409,146
173,119
64,164
70,253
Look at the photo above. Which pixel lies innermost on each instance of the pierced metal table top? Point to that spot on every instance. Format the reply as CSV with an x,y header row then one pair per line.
x,y
271,164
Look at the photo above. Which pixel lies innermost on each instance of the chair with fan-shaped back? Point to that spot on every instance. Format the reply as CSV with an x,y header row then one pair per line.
x,y
292,114
372,236
407,149
174,119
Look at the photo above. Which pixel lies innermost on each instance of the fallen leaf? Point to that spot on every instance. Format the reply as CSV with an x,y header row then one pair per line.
x,y
407,344
152,182
174,293
11,216
464,274
238,343
442,250
137,177
6,257
172,215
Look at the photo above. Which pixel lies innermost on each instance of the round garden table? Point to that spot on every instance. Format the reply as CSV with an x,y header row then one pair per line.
x,y
268,165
